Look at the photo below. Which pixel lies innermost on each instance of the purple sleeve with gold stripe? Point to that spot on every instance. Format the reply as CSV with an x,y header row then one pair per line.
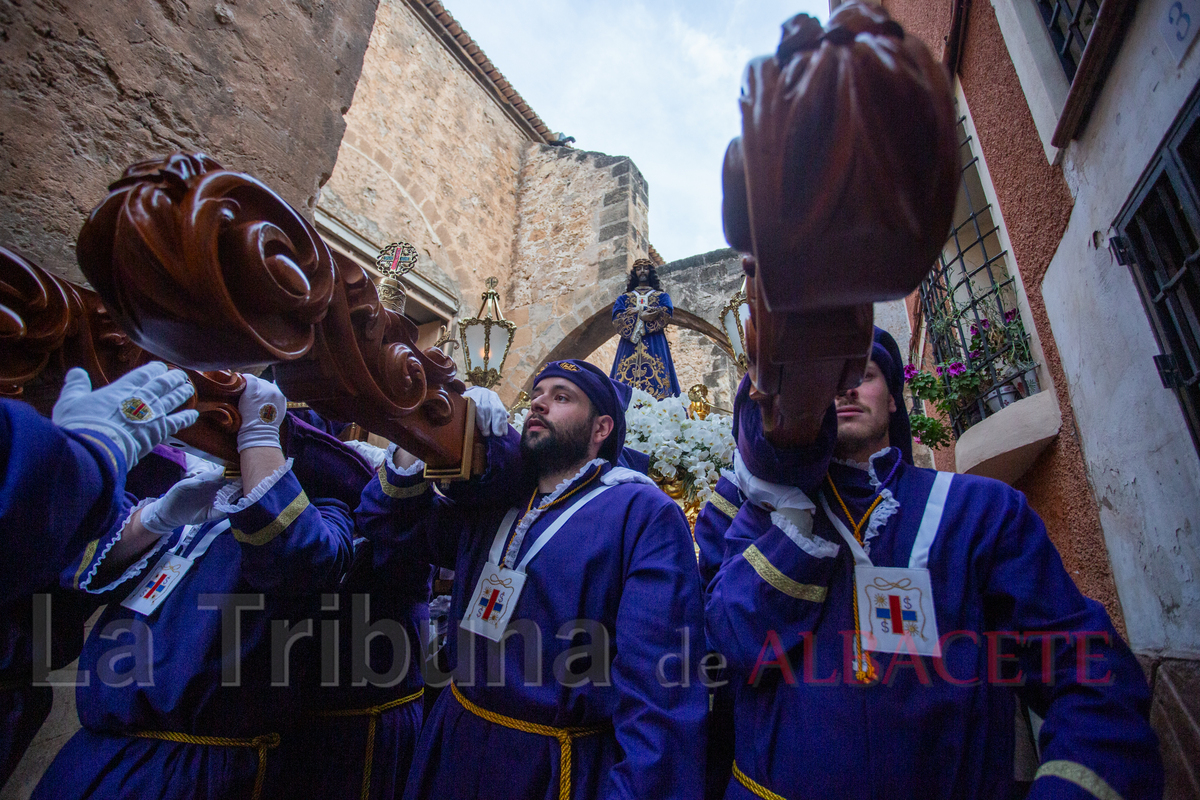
x,y
291,543
60,492
403,513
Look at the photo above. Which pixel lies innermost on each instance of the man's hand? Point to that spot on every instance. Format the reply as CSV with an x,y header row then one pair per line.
x,y
491,417
262,407
134,410
189,502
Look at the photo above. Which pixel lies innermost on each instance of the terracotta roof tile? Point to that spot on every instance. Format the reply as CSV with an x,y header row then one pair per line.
x,y
476,54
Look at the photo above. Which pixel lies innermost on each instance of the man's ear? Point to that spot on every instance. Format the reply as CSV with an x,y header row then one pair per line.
x,y
891,403
602,428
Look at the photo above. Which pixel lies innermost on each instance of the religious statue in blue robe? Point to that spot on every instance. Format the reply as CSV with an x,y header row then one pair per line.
x,y
641,316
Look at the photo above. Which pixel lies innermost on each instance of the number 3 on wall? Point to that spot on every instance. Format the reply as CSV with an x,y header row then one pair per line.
x,y
1176,26
1180,20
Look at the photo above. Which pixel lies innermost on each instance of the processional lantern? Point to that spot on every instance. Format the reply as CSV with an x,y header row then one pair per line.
x,y
394,261
486,338
734,315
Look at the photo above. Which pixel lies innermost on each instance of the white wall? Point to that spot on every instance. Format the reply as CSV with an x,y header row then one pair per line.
x,y
1140,458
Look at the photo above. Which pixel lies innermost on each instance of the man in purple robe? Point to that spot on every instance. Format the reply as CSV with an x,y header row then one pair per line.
x,y
579,601
880,622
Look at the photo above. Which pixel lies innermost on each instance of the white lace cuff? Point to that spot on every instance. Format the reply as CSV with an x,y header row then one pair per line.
x,y
801,534
407,472
227,497
131,571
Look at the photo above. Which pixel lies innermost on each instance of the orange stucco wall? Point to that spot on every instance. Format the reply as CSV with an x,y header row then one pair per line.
x,y
1036,205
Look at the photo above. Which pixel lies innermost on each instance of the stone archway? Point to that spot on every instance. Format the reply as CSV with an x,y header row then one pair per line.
x,y
597,329
699,287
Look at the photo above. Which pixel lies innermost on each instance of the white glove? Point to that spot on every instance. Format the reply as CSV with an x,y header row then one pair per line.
x,y
262,407
375,456
490,414
189,502
134,410
196,465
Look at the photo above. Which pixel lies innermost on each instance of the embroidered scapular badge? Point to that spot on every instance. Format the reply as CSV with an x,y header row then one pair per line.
x,y
268,413
135,409
895,610
165,576
493,602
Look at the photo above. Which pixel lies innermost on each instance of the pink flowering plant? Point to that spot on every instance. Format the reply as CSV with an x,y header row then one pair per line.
x,y
951,386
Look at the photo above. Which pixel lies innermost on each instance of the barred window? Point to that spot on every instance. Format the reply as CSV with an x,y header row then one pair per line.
x,y
969,303
1158,238
1070,23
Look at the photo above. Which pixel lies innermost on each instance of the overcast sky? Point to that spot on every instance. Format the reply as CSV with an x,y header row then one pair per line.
x,y
655,80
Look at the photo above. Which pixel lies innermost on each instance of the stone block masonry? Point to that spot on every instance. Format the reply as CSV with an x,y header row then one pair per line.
x,y
582,223
259,86
429,158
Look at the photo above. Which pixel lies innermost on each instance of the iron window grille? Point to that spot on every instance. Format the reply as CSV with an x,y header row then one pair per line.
x,y
1158,238
1070,23
969,301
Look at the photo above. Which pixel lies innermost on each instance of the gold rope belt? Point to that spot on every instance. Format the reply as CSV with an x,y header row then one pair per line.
x,y
756,788
373,714
565,736
268,741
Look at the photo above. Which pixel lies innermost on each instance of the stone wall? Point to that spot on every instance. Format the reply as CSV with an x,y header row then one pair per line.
x,y
431,158
87,91
428,158
581,225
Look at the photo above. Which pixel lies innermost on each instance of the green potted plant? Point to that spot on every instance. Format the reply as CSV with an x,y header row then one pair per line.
x,y
953,387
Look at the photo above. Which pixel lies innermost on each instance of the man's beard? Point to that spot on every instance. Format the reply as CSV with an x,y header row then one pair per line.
x,y
850,443
556,449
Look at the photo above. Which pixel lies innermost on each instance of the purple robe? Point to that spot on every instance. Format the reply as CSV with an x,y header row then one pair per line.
x,y
623,570
781,611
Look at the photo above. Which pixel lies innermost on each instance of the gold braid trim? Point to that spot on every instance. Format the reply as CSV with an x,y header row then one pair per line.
x,y
642,370
565,736
769,573
625,322
659,323
724,506
399,492
263,744
757,789
373,714
1081,776
88,554
275,526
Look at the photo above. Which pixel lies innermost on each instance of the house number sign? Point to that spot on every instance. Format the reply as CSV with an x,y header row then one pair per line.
x,y
1178,22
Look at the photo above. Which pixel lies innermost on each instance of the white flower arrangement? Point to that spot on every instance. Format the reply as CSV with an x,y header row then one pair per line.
x,y
692,451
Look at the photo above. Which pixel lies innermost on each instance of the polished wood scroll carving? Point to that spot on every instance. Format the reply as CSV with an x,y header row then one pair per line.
x,y
840,192
208,268
51,325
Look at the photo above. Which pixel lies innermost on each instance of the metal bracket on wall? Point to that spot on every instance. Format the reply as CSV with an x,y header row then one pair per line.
x,y
1119,246
1168,371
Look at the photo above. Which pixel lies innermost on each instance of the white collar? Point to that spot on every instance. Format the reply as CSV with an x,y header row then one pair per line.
x,y
868,468
618,475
